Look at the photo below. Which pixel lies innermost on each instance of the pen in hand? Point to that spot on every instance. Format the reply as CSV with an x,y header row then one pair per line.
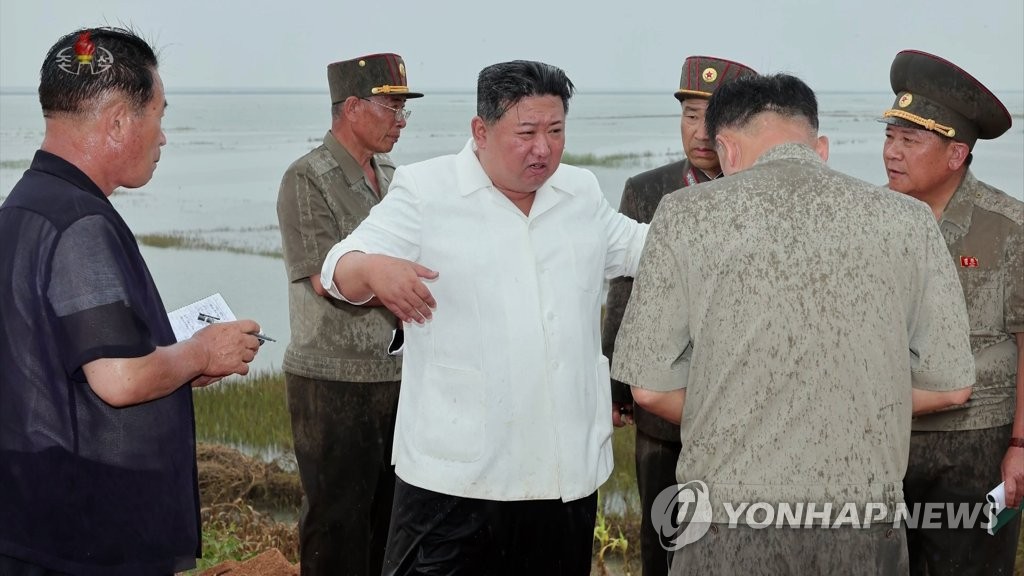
x,y
211,319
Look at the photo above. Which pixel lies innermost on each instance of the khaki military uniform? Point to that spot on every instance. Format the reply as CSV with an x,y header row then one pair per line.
x,y
657,441
797,321
342,384
956,455
324,196
984,230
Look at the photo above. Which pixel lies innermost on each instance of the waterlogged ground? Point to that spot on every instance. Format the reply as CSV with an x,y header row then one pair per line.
x,y
226,413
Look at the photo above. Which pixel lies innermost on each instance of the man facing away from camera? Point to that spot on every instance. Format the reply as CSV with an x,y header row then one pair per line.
x,y
657,440
97,435
495,258
793,332
342,383
958,456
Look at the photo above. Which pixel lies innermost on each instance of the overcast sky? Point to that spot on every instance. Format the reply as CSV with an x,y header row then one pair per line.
x,y
603,45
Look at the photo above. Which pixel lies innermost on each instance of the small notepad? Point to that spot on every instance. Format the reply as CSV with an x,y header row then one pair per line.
x,y
186,322
1000,514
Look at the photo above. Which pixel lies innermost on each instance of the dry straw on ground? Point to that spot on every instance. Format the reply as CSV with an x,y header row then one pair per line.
x,y
227,475
233,488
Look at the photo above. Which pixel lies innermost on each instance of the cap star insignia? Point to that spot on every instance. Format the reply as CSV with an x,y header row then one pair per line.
x,y
710,75
401,70
906,99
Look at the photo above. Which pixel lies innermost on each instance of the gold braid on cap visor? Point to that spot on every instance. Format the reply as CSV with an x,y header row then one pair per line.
x,y
386,89
928,123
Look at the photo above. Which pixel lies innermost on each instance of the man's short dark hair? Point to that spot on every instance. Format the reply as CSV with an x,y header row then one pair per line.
x,y
736,103
122,62
500,86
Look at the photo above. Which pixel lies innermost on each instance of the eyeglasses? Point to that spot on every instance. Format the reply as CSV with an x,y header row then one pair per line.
x,y
400,113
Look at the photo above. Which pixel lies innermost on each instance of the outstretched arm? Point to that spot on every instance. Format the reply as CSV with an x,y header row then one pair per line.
x,y
212,353
397,283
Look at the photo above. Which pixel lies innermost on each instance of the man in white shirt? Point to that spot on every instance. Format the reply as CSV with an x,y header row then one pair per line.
x,y
504,418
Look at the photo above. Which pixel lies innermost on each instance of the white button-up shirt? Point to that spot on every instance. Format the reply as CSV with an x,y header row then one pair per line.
x,y
505,394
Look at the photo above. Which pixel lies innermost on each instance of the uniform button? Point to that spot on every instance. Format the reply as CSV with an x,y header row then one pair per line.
x,y
714,528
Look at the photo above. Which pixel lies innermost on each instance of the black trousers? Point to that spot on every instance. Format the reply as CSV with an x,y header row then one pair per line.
x,y
958,467
656,461
343,433
441,535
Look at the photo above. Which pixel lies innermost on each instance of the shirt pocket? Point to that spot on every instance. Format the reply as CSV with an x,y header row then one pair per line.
x,y
984,295
450,415
588,256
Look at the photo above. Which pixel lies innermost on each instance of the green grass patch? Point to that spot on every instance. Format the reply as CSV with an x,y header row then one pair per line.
x,y
191,242
607,161
15,164
617,531
251,412
220,544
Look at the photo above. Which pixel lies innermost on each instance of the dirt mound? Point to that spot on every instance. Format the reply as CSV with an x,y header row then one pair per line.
x,y
227,475
239,496
269,563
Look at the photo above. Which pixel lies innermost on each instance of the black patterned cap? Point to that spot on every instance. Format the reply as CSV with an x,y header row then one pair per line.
x,y
934,94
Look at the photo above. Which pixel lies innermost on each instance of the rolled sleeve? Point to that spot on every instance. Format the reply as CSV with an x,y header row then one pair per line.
x,y
327,271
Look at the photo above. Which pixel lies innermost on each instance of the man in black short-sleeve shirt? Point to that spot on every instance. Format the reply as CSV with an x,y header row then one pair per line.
x,y
97,438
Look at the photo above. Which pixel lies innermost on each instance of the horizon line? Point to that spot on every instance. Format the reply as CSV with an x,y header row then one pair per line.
x,y
260,90
18,90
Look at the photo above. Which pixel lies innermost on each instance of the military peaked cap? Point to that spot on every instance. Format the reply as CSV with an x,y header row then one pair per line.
x,y
702,74
935,94
367,76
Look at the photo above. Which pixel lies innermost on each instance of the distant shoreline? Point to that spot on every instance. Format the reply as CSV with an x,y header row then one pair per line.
x,y
24,91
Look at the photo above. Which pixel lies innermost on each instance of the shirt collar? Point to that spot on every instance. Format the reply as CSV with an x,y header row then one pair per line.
x,y
352,170
789,151
56,166
472,176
